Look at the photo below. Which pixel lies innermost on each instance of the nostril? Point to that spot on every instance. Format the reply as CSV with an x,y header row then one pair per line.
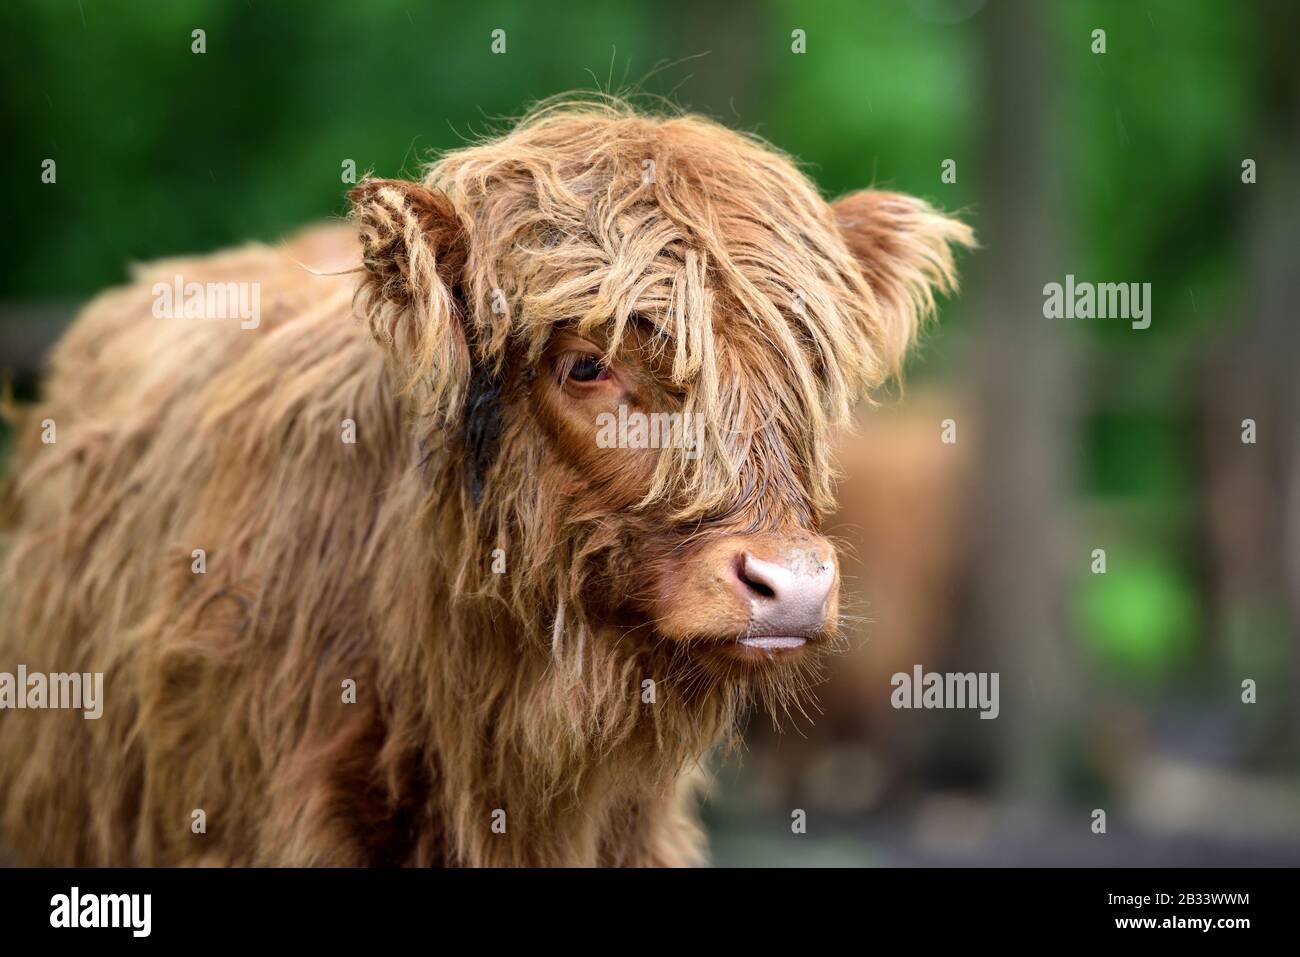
x,y
752,578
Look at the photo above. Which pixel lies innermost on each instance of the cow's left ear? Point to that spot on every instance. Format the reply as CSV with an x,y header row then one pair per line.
x,y
415,248
904,248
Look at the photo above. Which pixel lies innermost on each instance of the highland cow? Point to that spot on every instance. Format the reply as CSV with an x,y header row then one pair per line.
x,y
363,585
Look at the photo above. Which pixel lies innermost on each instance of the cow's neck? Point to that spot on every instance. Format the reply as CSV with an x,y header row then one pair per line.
x,y
578,757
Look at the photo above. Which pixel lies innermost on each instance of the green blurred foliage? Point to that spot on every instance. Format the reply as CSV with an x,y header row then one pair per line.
x,y
1138,453
1139,617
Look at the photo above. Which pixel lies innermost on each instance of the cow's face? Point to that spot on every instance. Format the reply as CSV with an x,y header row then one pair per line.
x,y
745,581
634,337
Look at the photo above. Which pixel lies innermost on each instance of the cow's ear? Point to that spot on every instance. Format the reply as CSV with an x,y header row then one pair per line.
x,y
415,247
903,246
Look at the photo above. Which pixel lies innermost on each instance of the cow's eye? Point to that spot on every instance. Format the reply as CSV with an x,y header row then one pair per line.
x,y
587,368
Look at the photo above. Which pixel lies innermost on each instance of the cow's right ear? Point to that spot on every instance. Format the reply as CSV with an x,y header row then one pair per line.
x,y
415,248
903,246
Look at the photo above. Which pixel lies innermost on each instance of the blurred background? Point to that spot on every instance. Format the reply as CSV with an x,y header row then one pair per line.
x,y
1120,690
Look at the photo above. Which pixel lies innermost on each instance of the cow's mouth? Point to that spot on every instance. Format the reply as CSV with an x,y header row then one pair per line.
x,y
774,642
761,649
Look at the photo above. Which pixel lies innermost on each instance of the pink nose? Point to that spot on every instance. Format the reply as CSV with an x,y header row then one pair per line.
x,y
788,598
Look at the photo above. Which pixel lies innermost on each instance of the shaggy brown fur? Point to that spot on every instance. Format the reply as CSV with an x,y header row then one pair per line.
x,y
701,267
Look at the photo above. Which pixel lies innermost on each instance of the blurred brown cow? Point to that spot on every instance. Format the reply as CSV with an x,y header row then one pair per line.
x,y
900,524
